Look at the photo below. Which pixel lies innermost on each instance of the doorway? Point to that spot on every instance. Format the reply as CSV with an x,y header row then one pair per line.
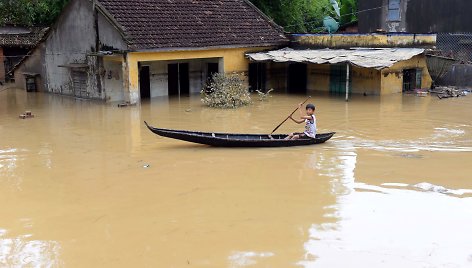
x,y
412,79
297,78
178,79
144,82
212,68
257,77
337,79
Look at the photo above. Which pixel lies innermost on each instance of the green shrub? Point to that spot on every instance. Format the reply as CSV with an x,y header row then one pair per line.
x,y
225,91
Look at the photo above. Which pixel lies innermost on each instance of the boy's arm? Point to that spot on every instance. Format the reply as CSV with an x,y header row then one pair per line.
x,y
297,121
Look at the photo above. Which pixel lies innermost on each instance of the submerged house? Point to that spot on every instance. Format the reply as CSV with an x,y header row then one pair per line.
x,y
15,43
117,50
369,64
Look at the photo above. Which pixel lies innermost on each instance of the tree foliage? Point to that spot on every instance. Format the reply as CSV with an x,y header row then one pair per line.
x,y
305,15
30,12
348,11
294,15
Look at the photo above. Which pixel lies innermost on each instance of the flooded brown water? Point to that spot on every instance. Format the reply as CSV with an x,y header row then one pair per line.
x,y
87,185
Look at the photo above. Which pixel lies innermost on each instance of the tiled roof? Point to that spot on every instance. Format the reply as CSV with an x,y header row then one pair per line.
x,y
21,37
153,24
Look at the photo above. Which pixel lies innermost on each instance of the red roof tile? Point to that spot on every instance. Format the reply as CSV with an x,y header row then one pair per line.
x,y
153,24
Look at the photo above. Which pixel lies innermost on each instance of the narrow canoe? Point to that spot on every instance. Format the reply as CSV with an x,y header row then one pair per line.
x,y
237,140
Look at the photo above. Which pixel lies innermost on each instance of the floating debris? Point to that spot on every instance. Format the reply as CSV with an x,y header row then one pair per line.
x,y
26,115
411,156
449,92
126,104
428,187
188,110
422,93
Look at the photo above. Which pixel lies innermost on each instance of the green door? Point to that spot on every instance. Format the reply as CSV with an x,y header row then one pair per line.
x,y
337,80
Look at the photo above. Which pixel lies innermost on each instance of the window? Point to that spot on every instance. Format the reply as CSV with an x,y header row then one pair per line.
x,y
393,10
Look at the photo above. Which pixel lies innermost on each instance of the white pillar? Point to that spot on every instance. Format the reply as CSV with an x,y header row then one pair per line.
x,y
347,82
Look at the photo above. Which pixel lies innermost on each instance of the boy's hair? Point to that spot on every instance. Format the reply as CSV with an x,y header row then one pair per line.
x,y
310,106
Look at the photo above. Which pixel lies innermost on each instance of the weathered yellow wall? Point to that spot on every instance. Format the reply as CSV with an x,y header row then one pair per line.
x,y
365,80
365,40
234,60
392,78
318,77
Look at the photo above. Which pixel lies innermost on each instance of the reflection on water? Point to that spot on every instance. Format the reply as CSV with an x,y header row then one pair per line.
x,y
87,185
242,259
384,227
22,251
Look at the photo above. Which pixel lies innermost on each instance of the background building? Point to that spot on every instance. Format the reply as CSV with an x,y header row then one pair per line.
x,y
451,20
15,43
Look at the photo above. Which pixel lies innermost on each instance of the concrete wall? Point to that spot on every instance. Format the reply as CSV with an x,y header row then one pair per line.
x,y
392,78
375,18
110,37
113,79
417,16
71,40
34,63
363,40
68,42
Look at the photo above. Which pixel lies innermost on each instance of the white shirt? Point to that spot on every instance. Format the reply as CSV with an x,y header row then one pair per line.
x,y
310,127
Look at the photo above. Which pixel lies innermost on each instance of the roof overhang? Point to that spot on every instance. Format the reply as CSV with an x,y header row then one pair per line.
x,y
378,58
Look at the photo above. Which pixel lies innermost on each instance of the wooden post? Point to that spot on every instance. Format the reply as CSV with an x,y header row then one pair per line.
x,y
347,82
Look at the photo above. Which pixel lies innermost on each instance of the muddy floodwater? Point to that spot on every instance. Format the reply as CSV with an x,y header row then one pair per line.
x,y
85,184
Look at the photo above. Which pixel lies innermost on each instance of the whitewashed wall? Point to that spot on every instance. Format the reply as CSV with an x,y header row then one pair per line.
x,y
113,81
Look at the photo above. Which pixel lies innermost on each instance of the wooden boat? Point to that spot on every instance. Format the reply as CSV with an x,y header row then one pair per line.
x,y
237,140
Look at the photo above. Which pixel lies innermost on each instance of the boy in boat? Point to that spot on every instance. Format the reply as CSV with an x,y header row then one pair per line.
x,y
310,123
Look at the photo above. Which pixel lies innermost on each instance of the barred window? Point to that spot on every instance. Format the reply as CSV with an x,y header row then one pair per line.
x,y
393,10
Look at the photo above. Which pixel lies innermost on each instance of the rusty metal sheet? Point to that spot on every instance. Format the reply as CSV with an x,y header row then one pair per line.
x,y
378,58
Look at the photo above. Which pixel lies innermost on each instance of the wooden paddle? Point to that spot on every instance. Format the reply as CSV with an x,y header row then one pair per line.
x,y
288,117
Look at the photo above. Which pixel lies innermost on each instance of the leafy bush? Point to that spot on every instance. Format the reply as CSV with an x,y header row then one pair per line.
x,y
225,91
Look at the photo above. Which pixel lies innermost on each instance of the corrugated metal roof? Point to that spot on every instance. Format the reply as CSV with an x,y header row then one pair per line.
x,y
378,58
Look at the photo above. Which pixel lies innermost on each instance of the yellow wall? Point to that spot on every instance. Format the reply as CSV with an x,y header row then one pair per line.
x,y
392,78
370,81
365,80
234,60
365,40
318,77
